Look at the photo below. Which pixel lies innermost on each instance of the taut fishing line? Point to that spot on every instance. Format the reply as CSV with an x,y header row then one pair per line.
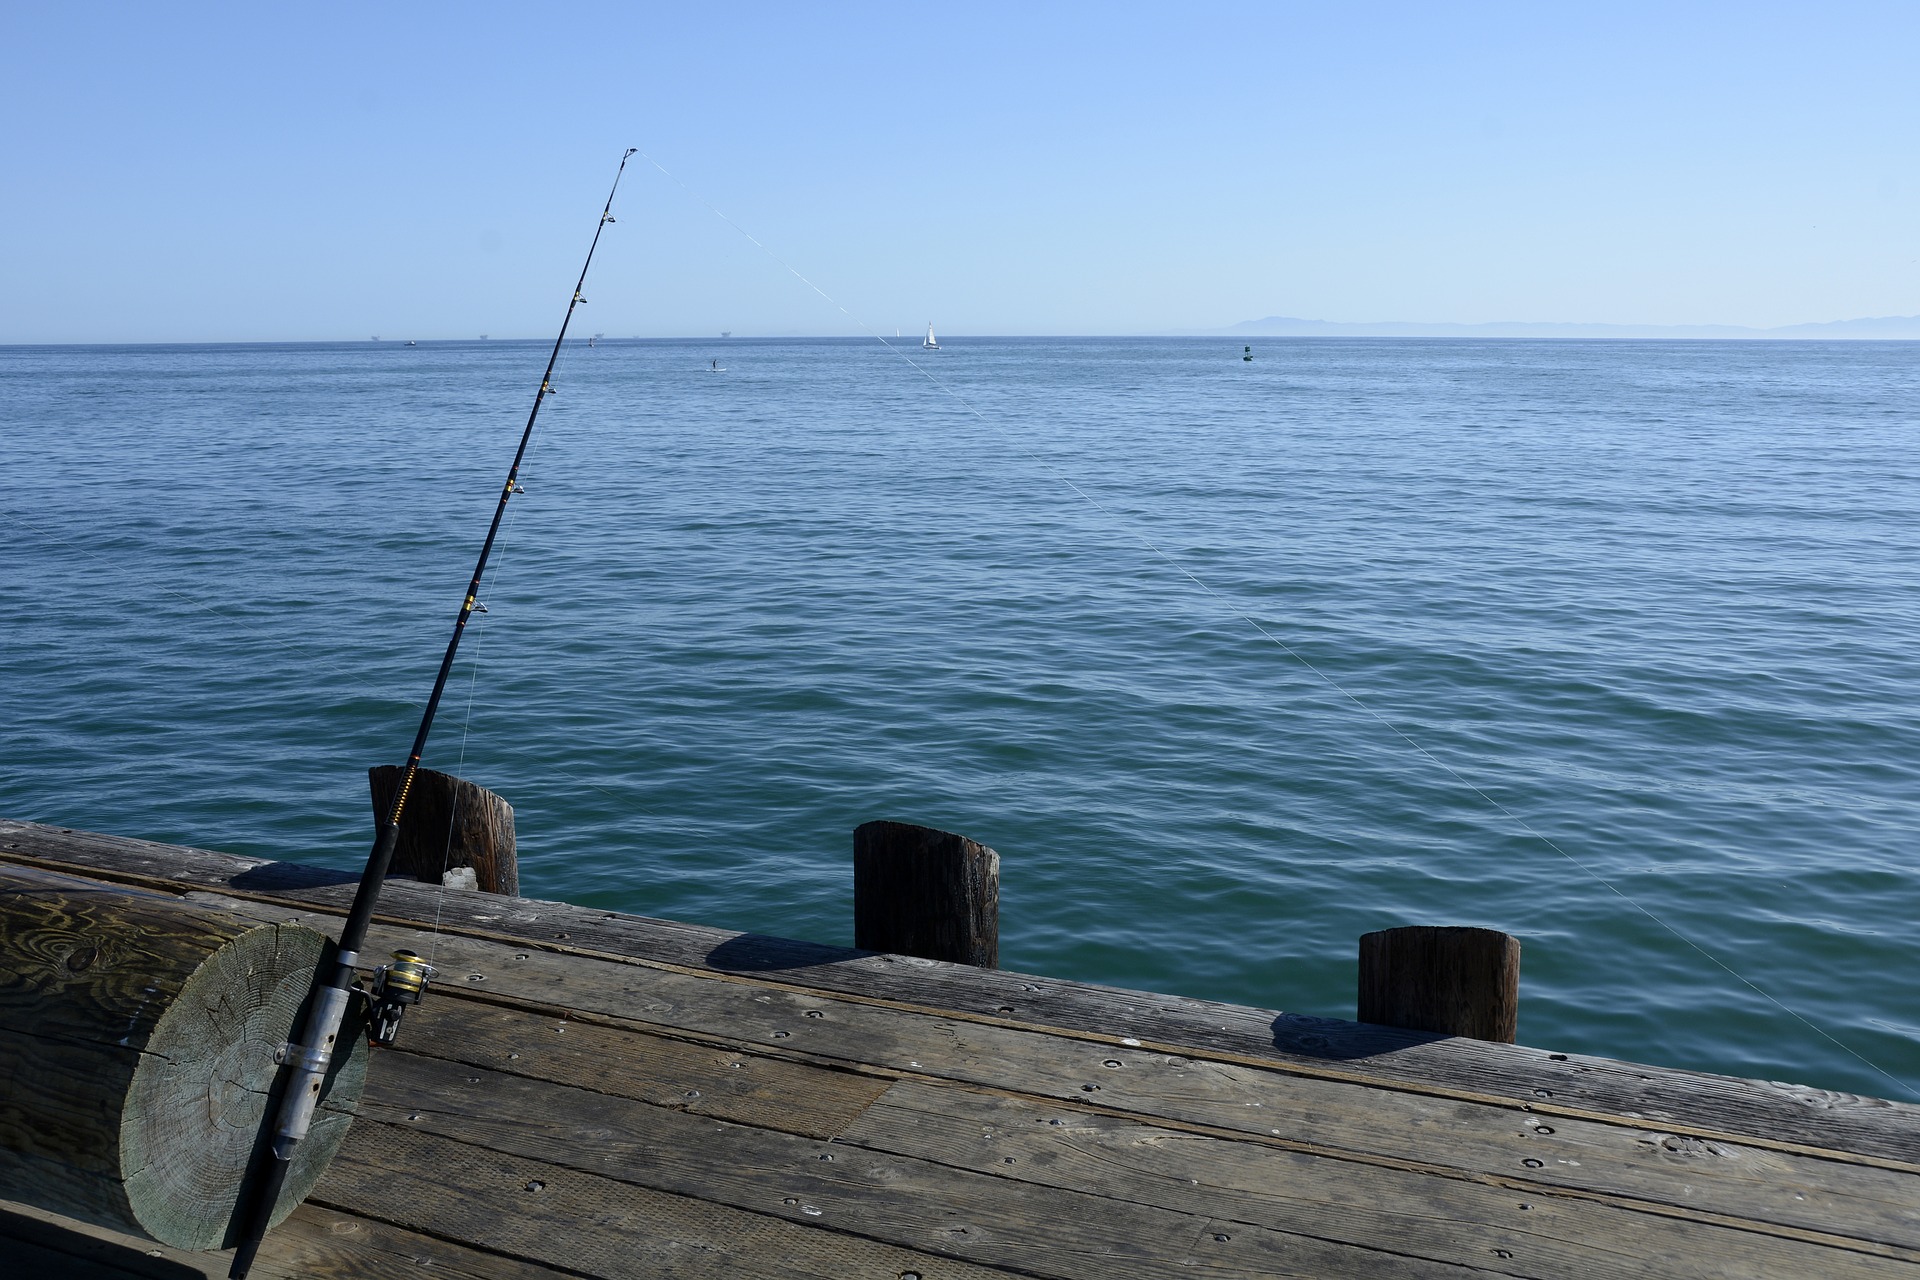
x,y
473,686
1019,446
466,731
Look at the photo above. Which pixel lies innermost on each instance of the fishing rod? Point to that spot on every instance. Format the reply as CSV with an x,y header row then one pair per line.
x,y
305,1061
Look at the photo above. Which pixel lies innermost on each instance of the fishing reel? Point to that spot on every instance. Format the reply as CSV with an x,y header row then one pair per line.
x,y
395,986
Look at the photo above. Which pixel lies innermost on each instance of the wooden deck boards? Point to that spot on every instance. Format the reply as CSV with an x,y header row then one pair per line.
x,y
592,1094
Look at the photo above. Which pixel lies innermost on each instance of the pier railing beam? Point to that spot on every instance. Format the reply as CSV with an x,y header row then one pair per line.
x,y
922,892
1456,981
449,823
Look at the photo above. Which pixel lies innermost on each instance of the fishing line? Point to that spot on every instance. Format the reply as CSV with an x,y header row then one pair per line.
x,y
473,685
473,679
1021,448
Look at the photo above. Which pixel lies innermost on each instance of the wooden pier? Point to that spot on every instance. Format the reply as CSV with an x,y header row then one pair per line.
x,y
594,1094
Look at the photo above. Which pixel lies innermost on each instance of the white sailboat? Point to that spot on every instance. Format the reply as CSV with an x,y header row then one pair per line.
x,y
930,344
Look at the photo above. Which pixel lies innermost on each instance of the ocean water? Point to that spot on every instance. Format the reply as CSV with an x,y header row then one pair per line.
x,y
1610,645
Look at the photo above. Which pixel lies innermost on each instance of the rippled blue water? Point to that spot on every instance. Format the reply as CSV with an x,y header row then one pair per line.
x,y
1657,602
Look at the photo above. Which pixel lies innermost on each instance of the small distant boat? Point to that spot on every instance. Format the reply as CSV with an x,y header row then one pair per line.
x,y
716,367
726,333
1248,355
412,343
930,344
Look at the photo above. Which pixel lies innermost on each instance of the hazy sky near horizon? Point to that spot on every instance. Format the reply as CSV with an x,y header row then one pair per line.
x,y
228,172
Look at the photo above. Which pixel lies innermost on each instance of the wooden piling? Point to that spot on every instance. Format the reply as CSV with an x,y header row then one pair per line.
x,y
922,892
449,823
1456,981
137,1041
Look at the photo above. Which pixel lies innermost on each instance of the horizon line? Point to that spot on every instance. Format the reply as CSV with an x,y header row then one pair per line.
x,y
1884,328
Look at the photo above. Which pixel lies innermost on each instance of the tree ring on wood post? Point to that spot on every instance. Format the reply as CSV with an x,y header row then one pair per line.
x,y
197,1113
137,1040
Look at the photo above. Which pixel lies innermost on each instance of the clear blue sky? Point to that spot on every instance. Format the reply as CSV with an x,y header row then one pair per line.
x,y
245,172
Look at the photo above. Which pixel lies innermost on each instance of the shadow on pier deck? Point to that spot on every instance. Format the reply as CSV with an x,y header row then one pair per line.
x,y
591,1094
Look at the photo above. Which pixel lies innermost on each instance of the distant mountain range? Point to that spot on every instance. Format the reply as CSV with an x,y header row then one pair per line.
x,y
1288,326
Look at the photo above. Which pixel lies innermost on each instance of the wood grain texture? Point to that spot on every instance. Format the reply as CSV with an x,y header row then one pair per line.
x,y
1660,1098
1449,980
912,1204
1208,1146
726,1083
1478,1224
136,1042
448,822
38,1245
198,1111
28,1259
548,1213
1508,1143
319,1243
96,963
922,892
1512,1144
313,1244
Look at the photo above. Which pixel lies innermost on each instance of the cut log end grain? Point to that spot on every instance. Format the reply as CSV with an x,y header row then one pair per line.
x,y
137,1035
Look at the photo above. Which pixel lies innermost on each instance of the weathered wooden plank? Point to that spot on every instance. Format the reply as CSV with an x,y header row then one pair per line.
x,y
1780,1191
312,1244
24,1259
542,1212
1468,1140
1655,1096
70,1246
43,1119
1509,1144
1476,1224
724,1083
1662,1098
37,1244
318,1243
322,1242
987,1220
1505,1143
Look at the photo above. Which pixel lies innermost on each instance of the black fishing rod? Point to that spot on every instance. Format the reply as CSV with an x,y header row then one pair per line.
x,y
306,1060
